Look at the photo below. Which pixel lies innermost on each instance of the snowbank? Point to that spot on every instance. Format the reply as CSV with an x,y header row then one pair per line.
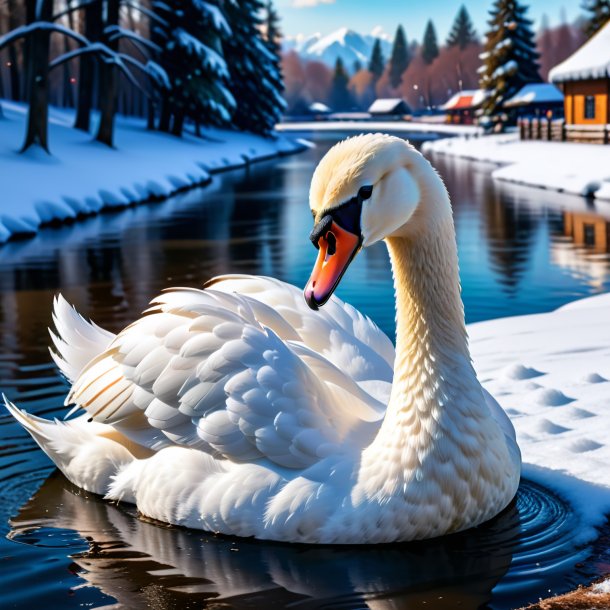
x,y
551,372
384,126
82,177
582,169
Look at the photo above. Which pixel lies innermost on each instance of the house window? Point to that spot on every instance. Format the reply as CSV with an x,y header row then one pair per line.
x,y
590,107
589,234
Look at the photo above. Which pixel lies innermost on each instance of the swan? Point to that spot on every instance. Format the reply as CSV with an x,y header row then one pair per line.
x,y
246,410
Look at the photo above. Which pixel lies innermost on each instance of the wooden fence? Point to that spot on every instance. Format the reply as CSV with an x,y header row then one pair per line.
x,y
556,130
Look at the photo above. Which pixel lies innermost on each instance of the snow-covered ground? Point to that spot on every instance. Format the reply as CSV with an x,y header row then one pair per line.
x,y
551,373
571,167
383,126
83,177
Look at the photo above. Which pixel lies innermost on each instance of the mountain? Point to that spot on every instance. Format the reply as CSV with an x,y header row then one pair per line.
x,y
345,43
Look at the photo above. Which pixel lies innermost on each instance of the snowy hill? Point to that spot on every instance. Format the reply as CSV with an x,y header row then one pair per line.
x,y
345,43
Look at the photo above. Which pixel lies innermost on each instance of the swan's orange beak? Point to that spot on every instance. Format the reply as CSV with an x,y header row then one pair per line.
x,y
337,249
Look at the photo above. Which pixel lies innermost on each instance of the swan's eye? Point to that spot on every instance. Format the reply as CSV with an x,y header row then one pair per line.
x,y
365,192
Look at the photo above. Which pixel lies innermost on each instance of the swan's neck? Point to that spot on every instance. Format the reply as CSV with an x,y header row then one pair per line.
x,y
435,388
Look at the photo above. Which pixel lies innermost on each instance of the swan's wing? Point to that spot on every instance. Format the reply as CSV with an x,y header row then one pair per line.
x,y
230,375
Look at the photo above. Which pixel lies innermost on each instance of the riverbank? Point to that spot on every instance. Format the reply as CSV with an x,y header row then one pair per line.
x,y
430,129
81,177
581,169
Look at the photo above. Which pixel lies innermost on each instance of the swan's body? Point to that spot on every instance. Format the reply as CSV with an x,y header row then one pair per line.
x,y
239,410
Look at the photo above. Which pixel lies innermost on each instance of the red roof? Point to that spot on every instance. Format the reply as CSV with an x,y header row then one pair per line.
x,y
464,101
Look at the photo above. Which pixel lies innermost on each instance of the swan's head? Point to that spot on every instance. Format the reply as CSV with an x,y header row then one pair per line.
x,y
365,189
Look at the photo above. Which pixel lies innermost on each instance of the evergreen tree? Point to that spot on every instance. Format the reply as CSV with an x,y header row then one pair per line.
x,y
400,58
273,35
191,42
255,77
340,98
377,61
462,32
510,59
357,66
599,15
429,50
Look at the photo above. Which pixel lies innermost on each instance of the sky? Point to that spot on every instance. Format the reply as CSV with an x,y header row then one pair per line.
x,y
306,17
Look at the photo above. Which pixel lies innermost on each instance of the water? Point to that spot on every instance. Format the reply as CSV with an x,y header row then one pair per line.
x,y
521,251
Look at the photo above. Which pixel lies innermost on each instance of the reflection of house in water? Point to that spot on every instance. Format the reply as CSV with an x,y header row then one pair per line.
x,y
584,247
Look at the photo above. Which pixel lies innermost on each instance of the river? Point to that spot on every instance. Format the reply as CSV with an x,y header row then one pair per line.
x,y
521,251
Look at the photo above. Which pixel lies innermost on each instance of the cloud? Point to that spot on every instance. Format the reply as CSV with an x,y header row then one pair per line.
x,y
310,3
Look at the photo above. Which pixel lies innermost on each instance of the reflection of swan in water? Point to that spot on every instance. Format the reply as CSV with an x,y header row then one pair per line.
x,y
131,560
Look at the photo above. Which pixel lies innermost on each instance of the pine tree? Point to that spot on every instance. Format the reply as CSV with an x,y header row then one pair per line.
x,y
599,15
191,55
462,32
510,59
340,98
377,61
429,50
273,35
255,76
399,60
357,65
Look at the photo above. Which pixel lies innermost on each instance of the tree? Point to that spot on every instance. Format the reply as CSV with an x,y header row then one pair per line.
x,y
462,32
191,34
399,59
255,77
377,61
340,98
273,35
599,15
429,50
510,59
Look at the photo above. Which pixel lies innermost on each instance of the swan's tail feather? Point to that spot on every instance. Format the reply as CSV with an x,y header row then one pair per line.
x,y
84,451
77,341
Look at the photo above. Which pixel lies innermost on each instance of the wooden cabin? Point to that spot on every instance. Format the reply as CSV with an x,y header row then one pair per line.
x,y
460,108
585,80
390,109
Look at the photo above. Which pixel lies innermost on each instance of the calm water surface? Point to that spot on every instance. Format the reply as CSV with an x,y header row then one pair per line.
x,y
521,251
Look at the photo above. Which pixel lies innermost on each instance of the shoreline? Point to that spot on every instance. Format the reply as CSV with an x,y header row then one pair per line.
x,y
535,163
82,178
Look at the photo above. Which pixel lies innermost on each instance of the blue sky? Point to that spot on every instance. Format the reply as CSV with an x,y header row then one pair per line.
x,y
310,16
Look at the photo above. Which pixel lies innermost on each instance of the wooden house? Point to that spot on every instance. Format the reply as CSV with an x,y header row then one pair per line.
x,y
585,79
391,109
461,107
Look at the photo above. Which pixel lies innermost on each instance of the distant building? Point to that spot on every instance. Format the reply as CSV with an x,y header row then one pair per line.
x,y
461,107
318,108
537,99
585,79
390,109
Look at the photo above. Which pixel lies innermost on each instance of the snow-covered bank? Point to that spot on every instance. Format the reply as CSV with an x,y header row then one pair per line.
x,y
84,177
383,126
551,373
582,169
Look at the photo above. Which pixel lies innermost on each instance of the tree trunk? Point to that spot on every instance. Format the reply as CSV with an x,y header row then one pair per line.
x,y
165,118
13,22
178,123
68,93
108,83
150,121
38,82
87,67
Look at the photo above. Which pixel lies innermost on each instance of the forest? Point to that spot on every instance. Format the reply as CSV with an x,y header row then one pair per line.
x,y
180,62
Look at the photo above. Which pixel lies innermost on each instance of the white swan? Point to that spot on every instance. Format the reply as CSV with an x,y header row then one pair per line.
x,y
236,409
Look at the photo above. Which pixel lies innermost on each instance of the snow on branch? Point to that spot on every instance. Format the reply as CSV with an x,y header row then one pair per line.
x,y
220,23
158,74
115,32
208,56
38,26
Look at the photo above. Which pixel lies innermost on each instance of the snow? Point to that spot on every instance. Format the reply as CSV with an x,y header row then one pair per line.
x,y
538,93
460,99
549,372
549,165
83,177
208,56
601,587
385,126
386,105
591,61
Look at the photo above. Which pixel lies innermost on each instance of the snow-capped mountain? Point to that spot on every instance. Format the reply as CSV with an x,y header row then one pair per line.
x,y
347,44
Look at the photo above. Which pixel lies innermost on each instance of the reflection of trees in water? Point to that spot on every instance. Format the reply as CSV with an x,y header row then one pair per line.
x,y
139,563
510,230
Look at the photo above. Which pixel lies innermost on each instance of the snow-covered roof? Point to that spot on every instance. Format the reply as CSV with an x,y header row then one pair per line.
x,y
463,100
536,93
387,105
592,60
318,107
